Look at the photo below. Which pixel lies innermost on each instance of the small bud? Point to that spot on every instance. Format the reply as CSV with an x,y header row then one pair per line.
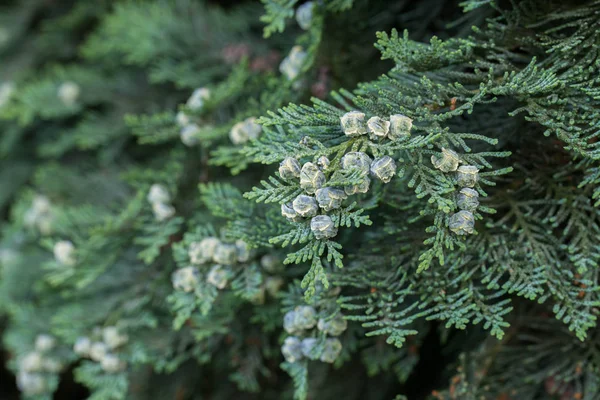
x,y
291,66
289,322
182,119
400,126
297,55
353,123
467,199
333,327
467,175
273,284
323,227
39,215
158,194
31,384
112,337
323,163
68,93
243,251
305,317
289,169
64,253
190,135
253,129
218,276
462,223
44,343
331,351
356,159
185,279
270,263
329,198
244,131
112,364
448,162
287,210
162,211
237,135
305,206
225,254
383,168
98,351
197,99
311,178
203,251
292,349
362,187
82,346
378,128
32,362
41,204
308,347
304,15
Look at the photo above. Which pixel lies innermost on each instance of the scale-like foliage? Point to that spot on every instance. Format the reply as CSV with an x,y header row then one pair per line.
x,y
188,190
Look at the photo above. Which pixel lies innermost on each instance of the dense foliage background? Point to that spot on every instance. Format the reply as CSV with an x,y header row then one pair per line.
x,y
366,199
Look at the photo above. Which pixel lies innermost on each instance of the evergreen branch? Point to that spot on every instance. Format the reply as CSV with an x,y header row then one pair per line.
x,y
277,12
299,374
274,191
225,201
